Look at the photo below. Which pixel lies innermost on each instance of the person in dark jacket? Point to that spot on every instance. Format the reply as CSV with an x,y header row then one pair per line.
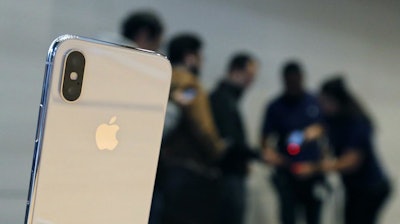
x,y
225,100
350,131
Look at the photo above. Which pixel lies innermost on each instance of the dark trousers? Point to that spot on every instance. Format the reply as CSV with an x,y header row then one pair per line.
x,y
190,197
297,195
232,199
362,205
157,206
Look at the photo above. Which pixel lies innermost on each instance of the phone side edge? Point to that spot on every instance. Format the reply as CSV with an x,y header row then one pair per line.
x,y
41,124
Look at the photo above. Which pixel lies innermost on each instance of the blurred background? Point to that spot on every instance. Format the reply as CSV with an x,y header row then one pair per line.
x,y
360,38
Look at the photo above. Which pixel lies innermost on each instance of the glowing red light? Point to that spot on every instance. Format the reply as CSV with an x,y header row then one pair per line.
x,y
293,149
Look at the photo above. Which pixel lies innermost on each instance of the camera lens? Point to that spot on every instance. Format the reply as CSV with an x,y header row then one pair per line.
x,y
73,76
76,61
73,90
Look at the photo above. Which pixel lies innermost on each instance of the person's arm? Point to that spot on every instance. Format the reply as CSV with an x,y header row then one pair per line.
x,y
354,152
222,116
202,124
272,157
197,113
349,162
316,130
268,140
224,113
313,132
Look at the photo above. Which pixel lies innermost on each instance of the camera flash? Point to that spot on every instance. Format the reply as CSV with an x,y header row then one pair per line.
x,y
73,76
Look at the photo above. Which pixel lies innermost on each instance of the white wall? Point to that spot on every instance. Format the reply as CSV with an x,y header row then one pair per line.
x,y
360,38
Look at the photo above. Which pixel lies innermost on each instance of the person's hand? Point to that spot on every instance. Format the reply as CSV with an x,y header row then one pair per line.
x,y
304,169
313,132
270,156
328,165
179,98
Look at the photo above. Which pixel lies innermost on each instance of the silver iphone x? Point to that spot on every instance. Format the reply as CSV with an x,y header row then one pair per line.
x,y
99,132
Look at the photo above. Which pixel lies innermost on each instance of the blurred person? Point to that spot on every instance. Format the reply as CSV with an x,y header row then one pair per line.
x,y
142,29
350,130
225,100
294,121
189,153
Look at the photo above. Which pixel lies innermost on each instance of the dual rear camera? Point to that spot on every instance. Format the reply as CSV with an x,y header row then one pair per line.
x,y
73,76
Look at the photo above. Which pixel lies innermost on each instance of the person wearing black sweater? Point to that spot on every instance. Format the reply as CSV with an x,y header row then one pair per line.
x,y
228,118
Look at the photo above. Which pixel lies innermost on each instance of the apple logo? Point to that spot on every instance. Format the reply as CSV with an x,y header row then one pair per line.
x,y
106,135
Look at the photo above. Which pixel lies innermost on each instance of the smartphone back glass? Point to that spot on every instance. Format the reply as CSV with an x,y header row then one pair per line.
x,y
96,156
